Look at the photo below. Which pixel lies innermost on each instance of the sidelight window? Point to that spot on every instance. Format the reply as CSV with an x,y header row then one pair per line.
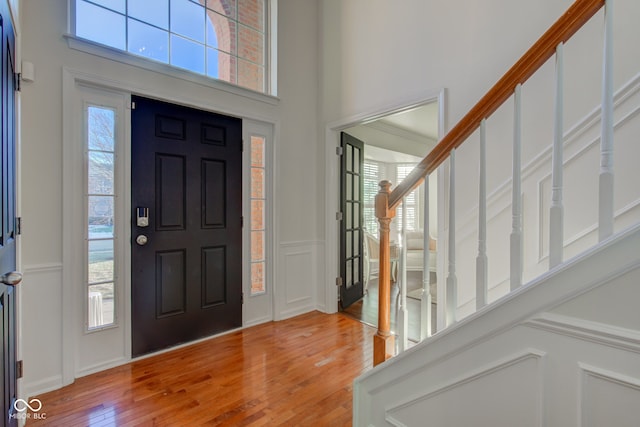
x,y
100,218
258,210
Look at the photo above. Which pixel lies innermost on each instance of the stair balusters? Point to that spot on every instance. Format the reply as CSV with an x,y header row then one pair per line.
x,y
452,280
403,313
425,297
556,215
516,200
605,226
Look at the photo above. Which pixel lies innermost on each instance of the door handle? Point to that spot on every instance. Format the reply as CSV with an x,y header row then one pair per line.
x,y
12,278
142,240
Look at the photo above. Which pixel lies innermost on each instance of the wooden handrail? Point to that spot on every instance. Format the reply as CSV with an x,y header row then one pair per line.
x,y
569,23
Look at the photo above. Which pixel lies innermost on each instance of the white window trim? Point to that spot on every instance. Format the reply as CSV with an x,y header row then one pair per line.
x,y
75,291
72,196
118,210
271,53
258,308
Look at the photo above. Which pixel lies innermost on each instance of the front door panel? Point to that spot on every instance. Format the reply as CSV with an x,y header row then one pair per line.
x,y
186,176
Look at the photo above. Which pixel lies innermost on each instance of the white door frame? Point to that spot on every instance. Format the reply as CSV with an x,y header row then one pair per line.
x,y
332,183
72,311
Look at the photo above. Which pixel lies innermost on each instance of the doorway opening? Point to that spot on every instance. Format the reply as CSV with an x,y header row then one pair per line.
x,y
392,146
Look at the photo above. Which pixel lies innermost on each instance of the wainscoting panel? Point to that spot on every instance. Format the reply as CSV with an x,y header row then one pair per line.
x,y
297,279
40,296
608,398
516,397
581,170
538,357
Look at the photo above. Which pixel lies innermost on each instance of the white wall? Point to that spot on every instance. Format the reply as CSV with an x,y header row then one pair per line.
x,y
44,24
378,53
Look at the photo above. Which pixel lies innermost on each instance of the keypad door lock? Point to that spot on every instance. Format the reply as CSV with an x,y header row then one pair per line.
x,y
142,217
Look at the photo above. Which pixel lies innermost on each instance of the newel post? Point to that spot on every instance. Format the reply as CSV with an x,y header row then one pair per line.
x,y
383,340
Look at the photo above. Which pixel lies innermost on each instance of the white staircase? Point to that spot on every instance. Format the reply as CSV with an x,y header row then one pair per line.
x,y
563,350
540,327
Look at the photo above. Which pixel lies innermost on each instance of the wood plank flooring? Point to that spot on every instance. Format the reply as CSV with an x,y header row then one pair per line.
x,y
366,310
295,372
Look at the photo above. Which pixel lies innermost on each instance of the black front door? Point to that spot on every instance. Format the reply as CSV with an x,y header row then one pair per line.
x,y
186,174
8,226
351,226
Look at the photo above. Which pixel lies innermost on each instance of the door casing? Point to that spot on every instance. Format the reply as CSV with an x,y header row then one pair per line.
x,y
332,186
264,123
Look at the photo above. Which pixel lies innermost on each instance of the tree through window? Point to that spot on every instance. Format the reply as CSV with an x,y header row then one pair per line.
x,y
222,39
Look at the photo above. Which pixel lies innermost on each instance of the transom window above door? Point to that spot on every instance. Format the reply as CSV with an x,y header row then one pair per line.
x,y
221,39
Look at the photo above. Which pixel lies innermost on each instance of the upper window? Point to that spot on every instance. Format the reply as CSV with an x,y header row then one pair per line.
x,y
223,39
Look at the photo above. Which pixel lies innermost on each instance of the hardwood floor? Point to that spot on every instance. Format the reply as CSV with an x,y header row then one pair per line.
x,y
295,372
366,310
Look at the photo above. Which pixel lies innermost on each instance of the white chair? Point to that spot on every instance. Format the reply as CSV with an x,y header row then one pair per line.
x,y
415,251
371,258
371,264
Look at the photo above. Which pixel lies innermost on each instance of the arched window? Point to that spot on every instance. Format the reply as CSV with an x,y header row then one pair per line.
x,y
222,39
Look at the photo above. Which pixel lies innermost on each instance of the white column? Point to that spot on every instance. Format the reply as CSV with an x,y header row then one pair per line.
x,y
403,313
516,210
605,226
452,280
425,297
556,215
481,259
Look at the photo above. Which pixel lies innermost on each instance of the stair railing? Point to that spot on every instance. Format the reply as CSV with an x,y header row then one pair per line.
x,y
386,201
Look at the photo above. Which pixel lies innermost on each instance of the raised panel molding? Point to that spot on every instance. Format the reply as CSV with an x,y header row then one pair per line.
x,y
468,222
297,281
519,376
544,194
586,330
41,285
42,268
608,398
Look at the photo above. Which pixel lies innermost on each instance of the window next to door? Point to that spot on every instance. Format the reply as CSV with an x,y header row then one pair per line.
x,y
258,201
100,215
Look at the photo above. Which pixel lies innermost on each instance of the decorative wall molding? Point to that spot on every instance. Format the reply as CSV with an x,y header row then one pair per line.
x,y
482,372
604,394
87,46
297,279
587,330
543,252
46,268
571,136
595,267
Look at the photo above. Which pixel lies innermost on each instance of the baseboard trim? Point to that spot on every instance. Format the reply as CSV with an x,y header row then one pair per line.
x,y
45,385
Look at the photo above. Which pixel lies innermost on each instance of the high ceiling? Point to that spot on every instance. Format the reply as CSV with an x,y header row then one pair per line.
x,y
421,120
406,136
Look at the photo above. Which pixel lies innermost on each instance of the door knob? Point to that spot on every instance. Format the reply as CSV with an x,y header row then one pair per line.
x,y
12,278
142,240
